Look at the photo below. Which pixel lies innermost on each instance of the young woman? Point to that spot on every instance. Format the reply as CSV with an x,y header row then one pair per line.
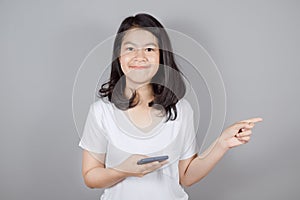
x,y
142,113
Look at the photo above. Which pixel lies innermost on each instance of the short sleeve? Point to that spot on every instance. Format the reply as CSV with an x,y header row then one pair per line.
x,y
94,135
190,146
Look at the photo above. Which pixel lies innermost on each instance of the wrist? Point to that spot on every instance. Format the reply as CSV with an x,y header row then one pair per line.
x,y
223,144
120,173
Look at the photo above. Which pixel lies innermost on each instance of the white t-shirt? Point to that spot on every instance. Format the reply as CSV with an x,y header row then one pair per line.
x,y
109,132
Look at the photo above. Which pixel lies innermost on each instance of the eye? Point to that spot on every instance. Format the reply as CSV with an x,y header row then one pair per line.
x,y
129,49
149,49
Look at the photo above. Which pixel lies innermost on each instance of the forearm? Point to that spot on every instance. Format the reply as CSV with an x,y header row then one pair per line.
x,y
103,177
204,163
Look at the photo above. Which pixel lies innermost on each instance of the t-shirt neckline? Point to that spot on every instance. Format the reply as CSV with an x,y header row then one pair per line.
x,y
120,115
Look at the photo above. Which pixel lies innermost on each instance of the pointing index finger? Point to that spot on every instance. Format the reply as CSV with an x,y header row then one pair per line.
x,y
253,120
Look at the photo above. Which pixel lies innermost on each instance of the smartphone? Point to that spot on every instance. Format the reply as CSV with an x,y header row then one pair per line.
x,y
152,159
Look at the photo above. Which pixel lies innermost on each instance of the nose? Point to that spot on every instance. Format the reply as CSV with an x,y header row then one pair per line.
x,y
140,54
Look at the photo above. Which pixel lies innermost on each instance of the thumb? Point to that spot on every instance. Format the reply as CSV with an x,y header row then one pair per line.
x,y
241,125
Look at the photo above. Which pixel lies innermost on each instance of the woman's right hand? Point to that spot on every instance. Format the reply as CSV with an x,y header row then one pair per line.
x,y
130,167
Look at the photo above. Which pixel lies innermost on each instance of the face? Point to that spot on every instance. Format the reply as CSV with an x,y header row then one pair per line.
x,y
139,57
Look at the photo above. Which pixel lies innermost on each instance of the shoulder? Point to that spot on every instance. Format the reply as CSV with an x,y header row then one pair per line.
x,y
101,103
101,107
184,105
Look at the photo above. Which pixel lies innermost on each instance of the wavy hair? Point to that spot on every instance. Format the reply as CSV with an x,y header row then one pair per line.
x,y
167,84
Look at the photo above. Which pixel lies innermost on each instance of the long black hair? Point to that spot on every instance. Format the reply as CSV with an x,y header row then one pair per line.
x,y
168,85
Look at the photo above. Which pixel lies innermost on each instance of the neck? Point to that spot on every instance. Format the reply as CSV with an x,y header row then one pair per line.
x,y
144,92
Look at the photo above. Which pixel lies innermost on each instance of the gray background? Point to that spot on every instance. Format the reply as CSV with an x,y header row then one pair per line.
x,y
255,45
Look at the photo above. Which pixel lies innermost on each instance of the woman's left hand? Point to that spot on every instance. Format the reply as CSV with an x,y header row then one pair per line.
x,y
238,133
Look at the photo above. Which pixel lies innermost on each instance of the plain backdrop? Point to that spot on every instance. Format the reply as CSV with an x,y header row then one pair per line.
x,y
255,45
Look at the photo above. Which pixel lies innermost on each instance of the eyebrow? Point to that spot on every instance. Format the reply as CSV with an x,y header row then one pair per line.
x,y
148,44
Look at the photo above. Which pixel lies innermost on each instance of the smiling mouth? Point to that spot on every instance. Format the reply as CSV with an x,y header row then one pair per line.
x,y
139,67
